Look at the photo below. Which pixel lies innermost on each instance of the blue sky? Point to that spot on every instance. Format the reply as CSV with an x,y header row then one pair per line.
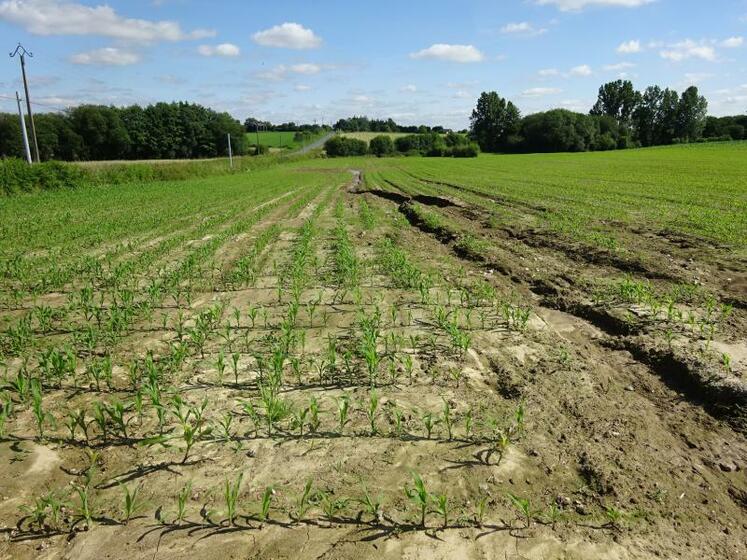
x,y
412,60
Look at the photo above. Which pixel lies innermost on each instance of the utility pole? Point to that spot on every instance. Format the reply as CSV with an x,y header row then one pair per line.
x,y
22,55
23,130
230,152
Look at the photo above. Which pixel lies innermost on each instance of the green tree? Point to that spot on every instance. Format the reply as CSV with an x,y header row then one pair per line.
x,y
493,121
618,100
381,145
691,115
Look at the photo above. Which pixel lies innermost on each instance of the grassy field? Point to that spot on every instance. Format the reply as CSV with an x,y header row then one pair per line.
x,y
396,357
277,139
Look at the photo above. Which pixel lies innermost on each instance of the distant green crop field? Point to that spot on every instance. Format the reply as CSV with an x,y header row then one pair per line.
x,y
367,136
277,139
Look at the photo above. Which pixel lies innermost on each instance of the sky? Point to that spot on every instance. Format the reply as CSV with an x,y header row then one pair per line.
x,y
416,61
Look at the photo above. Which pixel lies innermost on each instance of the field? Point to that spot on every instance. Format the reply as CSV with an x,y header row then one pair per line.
x,y
534,356
277,139
367,136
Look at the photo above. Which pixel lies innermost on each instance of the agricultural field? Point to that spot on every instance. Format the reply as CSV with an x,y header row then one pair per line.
x,y
533,356
278,139
367,136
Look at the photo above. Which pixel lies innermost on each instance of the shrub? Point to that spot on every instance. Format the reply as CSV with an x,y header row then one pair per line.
x,y
17,176
341,147
261,150
381,146
465,151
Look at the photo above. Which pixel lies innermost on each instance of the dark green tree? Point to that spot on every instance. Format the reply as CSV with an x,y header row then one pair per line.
x,y
493,121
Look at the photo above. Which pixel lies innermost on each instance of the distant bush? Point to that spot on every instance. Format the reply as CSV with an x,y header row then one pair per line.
x,y
339,146
381,146
261,150
465,151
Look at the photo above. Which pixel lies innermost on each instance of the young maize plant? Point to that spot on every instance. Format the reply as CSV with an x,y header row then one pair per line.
x,y
231,495
373,406
265,504
441,507
446,418
332,506
85,505
304,502
429,422
181,502
419,496
343,410
41,416
132,503
524,507
372,505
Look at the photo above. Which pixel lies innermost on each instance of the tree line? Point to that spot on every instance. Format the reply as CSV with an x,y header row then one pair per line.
x,y
621,118
429,144
96,132
252,124
364,124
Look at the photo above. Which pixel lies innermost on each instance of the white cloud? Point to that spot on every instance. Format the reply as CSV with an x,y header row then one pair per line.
x,y
540,91
224,49
461,94
409,88
546,72
452,53
630,47
732,42
582,70
108,56
288,36
53,17
281,71
302,87
689,49
523,28
306,69
575,5
693,78
618,67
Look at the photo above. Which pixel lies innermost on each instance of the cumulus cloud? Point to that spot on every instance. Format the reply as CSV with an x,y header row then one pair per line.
x,y
281,71
620,66
582,70
224,49
576,5
451,53
732,42
108,56
540,91
302,87
524,29
306,68
52,17
410,88
630,47
688,48
547,72
288,36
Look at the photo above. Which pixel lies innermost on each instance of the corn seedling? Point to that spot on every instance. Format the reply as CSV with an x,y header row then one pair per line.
x,y
181,502
304,502
446,418
419,496
231,496
441,507
373,406
524,507
132,504
343,409
332,506
265,503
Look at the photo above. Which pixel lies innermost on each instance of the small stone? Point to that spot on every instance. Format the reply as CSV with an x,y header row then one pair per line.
x,y
726,467
562,501
629,388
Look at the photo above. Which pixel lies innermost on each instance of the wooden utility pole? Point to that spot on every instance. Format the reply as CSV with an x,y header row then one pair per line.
x,y
22,55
